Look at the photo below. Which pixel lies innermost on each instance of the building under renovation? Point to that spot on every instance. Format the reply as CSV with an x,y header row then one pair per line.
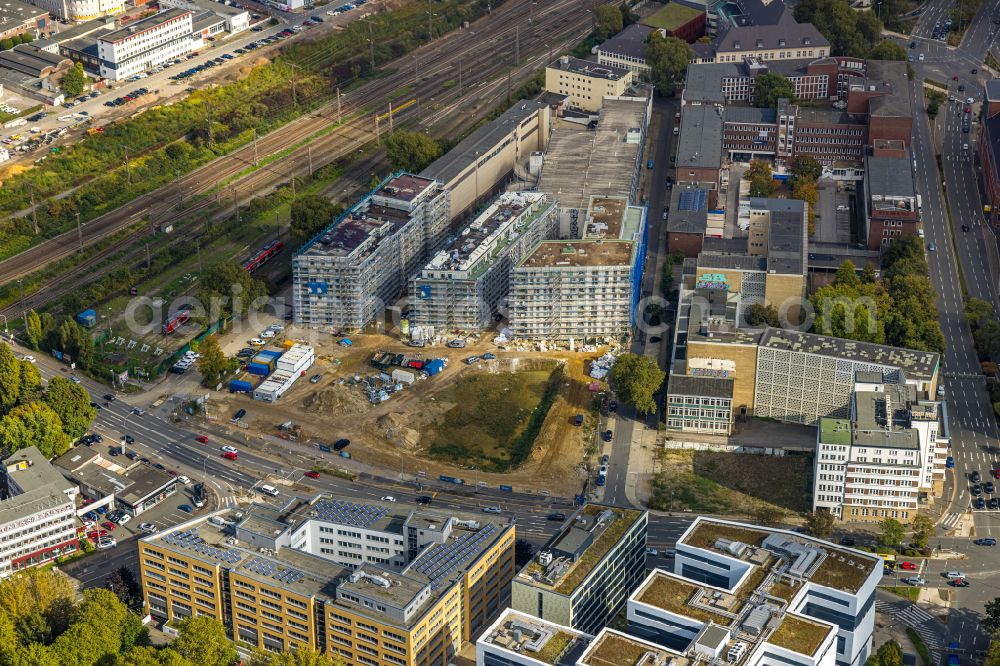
x,y
464,284
584,289
347,275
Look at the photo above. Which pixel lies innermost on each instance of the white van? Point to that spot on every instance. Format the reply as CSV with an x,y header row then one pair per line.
x,y
269,490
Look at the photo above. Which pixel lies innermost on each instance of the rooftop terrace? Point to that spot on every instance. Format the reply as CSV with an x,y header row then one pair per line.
x,y
605,218
537,639
800,635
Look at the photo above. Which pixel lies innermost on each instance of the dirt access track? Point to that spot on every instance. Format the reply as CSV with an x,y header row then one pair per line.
x,y
391,435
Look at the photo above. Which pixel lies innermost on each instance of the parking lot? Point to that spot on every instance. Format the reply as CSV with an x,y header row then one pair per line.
x,y
984,492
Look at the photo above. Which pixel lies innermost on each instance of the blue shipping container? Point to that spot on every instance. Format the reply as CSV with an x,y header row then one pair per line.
x,y
433,367
258,369
87,318
267,354
239,386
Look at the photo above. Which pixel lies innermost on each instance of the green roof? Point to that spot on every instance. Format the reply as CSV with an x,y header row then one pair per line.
x,y
671,17
834,431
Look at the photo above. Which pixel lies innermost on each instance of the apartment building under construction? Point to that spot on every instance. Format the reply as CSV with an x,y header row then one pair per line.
x,y
346,276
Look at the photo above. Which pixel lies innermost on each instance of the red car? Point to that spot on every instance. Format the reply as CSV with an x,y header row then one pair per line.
x,y
203,439
968,109
229,455
312,474
909,566
996,474
108,525
955,78
93,535
959,582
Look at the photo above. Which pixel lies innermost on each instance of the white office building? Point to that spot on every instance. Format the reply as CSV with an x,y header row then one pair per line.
x,y
145,44
760,596
886,459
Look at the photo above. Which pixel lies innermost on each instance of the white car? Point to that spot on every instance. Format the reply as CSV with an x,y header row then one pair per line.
x,y
652,552
124,518
267,334
105,543
971,100
491,509
183,479
29,359
388,498
256,342
915,580
229,449
148,528
74,379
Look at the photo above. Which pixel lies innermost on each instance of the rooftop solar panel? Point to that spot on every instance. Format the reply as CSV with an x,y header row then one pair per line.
x,y
693,201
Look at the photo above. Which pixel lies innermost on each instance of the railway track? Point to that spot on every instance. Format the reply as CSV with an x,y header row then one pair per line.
x,y
480,64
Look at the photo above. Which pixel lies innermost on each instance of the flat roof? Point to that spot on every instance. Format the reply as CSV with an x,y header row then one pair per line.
x,y
671,16
706,387
148,23
32,502
578,254
481,142
841,568
581,163
787,237
834,431
605,218
590,534
993,89
29,469
889,176
13,14
699,143
589,68
799,634
145,480
890,78
917,364
536,638
70,32
629,42
614,648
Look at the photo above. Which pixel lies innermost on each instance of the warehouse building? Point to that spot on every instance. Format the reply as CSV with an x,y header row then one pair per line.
x,y
370,583
886,458
585,83
745,594
481,165
463,286
38,520
347,275
587,289
583,575
145,44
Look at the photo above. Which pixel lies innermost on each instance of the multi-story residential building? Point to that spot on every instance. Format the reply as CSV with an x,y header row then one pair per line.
x,y
989,149
627,49
583,575
888,199
348,274
372,583
759,597
38,520
885,459
521,639
582,289
18,18
585,83
145,44
465,283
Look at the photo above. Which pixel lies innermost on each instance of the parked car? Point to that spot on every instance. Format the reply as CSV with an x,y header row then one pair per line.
x,y
341,444
315,378
607,435
557,516
988,487
186,508
959,582
148,528
652,552
312,474
974,476
979,504
108,525
129,439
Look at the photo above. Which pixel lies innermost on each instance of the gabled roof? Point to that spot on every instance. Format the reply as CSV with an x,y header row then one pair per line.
x,y
629,42
786,34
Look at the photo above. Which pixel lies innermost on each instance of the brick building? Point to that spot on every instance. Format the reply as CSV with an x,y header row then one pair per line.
x,y
989,151
888,199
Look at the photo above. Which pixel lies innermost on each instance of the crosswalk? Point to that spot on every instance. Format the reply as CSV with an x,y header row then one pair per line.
x,y
921,621
228,501
951,520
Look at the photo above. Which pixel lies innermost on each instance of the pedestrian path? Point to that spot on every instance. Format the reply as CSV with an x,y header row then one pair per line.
x,y
925,624
950,520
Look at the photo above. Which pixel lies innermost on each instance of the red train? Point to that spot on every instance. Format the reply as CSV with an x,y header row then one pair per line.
x,y
180,318
264,255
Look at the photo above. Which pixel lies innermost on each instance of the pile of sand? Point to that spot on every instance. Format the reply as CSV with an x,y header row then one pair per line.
x,y
394,428
336,400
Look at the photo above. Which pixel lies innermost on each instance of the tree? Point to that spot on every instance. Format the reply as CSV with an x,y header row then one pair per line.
x,y
769,88
820,523
411,151
74,80
48,592
71,403
311,214
805,167
523,552
75,341
668,58
11,387
887,50
923,530
767,515
6,44
226,280
608,21
95,634
891,532
890,654
758,168
635,379
850,32
805,190
759,315
203,641
33,329
121,582
212,363
301,656
762,187
993,655
35,424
